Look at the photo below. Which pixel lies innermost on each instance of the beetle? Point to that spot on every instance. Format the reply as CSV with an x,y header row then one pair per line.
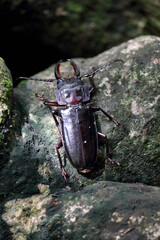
x,y
76,121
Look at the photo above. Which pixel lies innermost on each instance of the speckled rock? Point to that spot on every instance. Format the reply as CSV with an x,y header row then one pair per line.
x,y
129,92
105,211
34,200
6,98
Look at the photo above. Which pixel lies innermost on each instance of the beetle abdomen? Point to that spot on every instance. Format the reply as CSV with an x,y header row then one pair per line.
x,y
79,136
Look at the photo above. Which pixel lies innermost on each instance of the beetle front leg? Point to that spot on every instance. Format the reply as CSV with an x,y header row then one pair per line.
x,y
110,118
46,102
102,136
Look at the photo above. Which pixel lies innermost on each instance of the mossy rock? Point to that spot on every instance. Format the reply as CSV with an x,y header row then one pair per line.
x,y
35,201
6,100
128,91
104,210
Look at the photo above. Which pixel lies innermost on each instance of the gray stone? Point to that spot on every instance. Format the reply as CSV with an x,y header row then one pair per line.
x,y
35,201
104,210
129,92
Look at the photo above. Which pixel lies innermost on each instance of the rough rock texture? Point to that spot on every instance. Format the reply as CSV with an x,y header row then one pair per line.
x,y
6,98
129,91
36,203
103,211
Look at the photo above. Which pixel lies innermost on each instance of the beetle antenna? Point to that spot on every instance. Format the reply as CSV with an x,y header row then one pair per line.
x,y
37,79
100,68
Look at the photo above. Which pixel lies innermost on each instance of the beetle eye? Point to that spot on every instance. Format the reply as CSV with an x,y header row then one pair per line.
x,y
66,94
79,93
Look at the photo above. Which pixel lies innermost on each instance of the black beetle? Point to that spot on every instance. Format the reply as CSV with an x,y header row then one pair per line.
x,y
76,122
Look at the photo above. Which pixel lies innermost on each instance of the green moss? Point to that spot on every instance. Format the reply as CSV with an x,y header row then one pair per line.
x,y
1,60
21,83
6,92
7,84
6,99
74,7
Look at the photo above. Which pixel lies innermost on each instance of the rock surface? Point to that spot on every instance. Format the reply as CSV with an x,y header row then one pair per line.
x,y
36,203
104,211
6,99
129,92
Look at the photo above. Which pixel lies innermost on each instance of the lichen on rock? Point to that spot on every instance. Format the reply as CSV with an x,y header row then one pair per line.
x,y
129,92
37,204
6,97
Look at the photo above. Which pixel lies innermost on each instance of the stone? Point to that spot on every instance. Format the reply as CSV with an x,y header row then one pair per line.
x,y
129,91
35,201
6,100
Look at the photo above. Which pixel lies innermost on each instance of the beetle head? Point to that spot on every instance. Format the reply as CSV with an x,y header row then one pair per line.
x,y
70,90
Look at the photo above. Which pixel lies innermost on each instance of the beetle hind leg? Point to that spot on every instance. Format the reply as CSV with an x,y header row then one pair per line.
x,y
102,136
59,145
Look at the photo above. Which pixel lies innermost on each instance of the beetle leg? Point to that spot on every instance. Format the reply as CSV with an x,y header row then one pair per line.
x,y
41,97
46,102
55,112
102,136
52,104
110,118
59,145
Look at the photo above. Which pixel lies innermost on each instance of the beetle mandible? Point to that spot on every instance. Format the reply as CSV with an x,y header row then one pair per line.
x,y
76,122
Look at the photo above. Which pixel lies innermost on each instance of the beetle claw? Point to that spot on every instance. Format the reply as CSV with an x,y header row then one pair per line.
x,y
113,162
64,174
40,97
118,123
36,94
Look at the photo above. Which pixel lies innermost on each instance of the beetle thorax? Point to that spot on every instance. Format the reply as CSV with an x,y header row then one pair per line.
x,y
72,95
